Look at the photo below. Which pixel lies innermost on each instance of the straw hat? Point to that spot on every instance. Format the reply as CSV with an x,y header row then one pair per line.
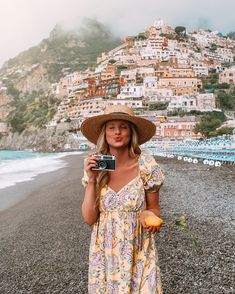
x,y
91,127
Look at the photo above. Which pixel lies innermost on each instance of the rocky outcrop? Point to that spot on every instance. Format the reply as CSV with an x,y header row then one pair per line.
x,y
36,80
63,137
5,109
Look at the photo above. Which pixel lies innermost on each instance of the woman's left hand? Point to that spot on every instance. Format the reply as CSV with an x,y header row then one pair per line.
x,y
142,216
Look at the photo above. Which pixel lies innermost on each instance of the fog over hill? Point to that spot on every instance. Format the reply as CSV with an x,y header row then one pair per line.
x,y
72,48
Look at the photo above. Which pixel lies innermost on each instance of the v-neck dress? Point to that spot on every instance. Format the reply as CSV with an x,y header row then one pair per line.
x,y
123,258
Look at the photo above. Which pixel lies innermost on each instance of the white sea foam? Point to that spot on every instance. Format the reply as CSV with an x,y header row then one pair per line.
x,y
21,170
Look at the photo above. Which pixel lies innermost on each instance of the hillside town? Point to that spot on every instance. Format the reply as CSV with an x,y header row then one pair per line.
x,y
148,71
158,73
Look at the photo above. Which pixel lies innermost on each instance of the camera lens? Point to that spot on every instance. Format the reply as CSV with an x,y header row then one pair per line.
x,y
102,164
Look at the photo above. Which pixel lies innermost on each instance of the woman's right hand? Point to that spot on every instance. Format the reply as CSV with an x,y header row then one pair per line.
x,y
89,163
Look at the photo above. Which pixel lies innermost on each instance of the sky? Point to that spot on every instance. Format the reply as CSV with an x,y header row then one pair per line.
x,y
24,23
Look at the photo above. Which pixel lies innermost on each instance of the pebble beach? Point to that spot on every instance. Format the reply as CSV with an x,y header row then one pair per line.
x,y
44,243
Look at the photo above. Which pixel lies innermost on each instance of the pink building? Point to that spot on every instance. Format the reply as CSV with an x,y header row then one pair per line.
x,y
228,76
179,128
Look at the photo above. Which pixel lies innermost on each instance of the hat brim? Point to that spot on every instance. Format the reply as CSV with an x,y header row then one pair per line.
x,y
92,126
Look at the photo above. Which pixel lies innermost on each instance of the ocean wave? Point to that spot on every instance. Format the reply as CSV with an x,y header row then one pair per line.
x,y
26,169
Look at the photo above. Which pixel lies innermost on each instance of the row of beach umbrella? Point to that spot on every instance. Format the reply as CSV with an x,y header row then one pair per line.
x,y
213,152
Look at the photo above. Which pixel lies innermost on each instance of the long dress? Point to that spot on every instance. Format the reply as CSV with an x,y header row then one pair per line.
x,y
123,258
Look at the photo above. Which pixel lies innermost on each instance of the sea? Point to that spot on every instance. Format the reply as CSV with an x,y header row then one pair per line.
x,y
21,166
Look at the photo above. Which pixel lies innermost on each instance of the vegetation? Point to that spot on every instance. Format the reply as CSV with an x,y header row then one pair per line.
x,y
184,113
12,91
211,81
222,131
231,35
139,80
74,50
226,101
34,109
158,106
210,121
225,93
180,31
141,36
213,47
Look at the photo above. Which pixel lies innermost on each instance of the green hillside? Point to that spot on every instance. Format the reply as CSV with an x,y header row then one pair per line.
x,y
65,51
70,50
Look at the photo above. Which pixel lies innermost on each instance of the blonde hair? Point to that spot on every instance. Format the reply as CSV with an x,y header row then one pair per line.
x,y
103,147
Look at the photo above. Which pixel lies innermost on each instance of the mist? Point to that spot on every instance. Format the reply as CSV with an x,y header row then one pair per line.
x,y
24,23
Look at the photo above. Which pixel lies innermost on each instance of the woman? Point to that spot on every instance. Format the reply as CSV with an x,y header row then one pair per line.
x,y
122,255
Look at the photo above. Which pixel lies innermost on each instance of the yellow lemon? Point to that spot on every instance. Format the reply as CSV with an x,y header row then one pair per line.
x,y
153,221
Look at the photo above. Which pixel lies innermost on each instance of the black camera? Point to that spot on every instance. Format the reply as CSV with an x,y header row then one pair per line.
x,y
105,162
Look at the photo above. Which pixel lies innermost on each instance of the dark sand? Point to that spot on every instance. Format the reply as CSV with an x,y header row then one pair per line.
x,y
44,243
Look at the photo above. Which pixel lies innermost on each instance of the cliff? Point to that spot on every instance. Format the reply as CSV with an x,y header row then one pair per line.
x,y
64,136
26,79
63,52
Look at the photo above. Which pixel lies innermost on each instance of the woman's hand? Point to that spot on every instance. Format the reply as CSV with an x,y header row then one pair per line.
x,y
142,216
89,163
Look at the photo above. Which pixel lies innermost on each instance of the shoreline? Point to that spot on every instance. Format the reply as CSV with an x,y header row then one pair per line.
x,y
44,243
17,174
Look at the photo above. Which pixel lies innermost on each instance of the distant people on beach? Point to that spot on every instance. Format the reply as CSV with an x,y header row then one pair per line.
x,y
122,185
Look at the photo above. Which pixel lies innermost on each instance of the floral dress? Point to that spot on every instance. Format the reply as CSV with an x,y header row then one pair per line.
x,y
122,257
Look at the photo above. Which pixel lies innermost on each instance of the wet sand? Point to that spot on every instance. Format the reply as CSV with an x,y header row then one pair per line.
x,y
44,243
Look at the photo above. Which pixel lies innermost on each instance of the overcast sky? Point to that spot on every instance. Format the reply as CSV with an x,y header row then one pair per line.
x,y
24,23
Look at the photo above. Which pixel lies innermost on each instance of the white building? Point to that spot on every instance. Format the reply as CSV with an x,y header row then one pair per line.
x,y
133,102
129,76
206,102
134,91
157,54
200,70
184,103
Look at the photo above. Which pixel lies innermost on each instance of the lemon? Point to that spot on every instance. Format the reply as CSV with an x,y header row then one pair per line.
x,y
153,221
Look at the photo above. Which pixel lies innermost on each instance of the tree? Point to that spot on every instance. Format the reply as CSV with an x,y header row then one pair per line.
x,y
223,86
213,47
226,101
205,127
224,131
180,30
12,91
158,106
210,121
112,61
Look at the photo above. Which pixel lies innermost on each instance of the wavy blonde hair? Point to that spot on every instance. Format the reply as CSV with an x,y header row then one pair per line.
x,y
103,147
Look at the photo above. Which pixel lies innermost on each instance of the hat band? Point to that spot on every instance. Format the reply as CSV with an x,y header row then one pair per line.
x,y
119,113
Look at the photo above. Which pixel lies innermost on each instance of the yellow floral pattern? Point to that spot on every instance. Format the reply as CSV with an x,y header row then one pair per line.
x,y
123,258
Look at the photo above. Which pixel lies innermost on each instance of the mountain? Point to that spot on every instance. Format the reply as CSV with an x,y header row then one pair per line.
x,y
65,51
25,80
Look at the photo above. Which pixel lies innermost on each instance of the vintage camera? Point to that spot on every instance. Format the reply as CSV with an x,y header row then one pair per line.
x,y
105,162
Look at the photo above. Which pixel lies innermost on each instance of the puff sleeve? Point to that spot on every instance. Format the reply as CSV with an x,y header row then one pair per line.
x,y
151,173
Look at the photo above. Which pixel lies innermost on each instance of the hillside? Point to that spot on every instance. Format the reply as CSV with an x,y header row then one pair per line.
x,y
63,52
28,76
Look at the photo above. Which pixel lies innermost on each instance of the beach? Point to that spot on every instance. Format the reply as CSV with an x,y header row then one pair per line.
x,y
44,243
